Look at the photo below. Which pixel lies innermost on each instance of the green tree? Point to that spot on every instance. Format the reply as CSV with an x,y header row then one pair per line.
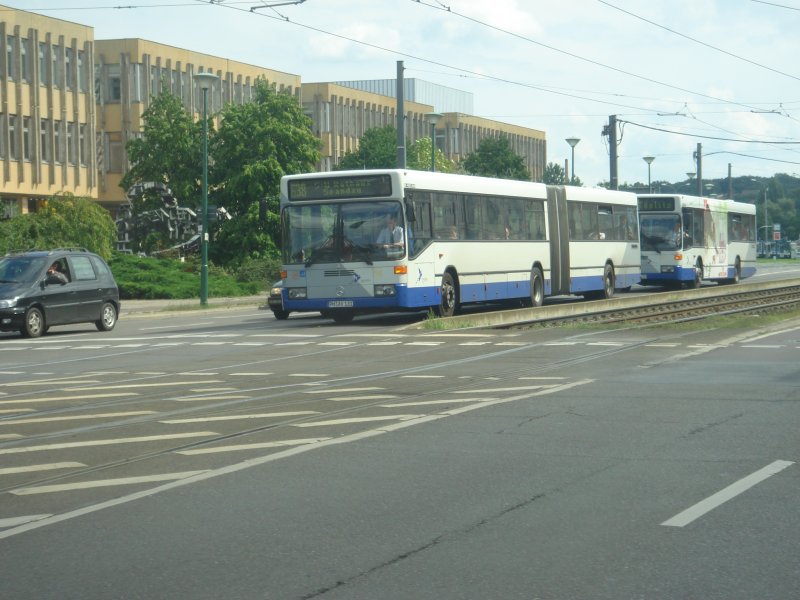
x,y
64,221
418,156
377,149
554,174
257,143
169,150
494,157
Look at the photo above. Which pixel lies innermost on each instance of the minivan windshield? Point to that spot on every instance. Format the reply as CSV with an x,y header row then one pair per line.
x,y
21,269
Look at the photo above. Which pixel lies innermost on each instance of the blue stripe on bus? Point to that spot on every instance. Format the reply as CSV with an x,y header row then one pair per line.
x,y
422,297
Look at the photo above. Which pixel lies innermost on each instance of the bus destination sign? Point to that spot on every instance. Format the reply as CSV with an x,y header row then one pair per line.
x,y
665,204
340,188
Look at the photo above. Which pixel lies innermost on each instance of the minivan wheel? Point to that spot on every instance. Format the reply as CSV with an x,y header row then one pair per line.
x,y
108,317
34,323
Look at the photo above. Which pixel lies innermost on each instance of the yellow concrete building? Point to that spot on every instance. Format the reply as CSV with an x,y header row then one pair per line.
x,y
47,110
130,71
340,116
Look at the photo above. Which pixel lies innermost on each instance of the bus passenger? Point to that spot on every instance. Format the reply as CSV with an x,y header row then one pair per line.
x,y
390,236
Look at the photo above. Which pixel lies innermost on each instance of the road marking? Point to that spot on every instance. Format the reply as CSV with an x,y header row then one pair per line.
x,y
449,335
45,467
507,389
219,389
10,436
309,375
199,398
66,381
423,376
545,378
431,402
143,385
424,343
85,485
384,343
135,413
698,510
511,344
259,446
294,343
662,345
61,398
239,417
109,442
15,411
269,458
560,344
352,398
605,344
356,420
484,343
769,346
251,343
344,390
16,521
249,374
337,343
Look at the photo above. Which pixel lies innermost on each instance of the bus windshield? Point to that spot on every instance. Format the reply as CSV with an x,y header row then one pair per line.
x,y
343,232
661,232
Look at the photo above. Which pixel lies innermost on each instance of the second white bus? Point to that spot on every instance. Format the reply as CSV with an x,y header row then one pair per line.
x,y
688,239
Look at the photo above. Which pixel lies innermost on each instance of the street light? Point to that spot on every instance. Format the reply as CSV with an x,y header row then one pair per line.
x,y
205,81
649,160
573,141
433,118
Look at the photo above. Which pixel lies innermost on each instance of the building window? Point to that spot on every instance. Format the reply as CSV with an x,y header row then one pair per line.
x,y
114,89
69,64
58,80
113,153
45,140
3,119
72,140
25,49
83,143
11,64
27,141
12,137
82,84
44,79
57,137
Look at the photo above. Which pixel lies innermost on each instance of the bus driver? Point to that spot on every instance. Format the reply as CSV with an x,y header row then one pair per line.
x,y
391,236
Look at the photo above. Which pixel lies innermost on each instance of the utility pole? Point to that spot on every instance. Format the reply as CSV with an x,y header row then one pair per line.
x,y
611,131
401,118
698,156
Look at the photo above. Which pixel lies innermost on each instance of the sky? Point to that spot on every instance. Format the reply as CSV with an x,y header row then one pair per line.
x,y
677,73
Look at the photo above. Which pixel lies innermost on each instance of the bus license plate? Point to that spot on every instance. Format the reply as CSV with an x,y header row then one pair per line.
x,y
340,304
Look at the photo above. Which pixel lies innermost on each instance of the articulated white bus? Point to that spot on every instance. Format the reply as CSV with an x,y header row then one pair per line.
x,y
387,240
686,239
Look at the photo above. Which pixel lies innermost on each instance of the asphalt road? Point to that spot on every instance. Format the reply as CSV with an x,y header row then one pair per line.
x,y
223,454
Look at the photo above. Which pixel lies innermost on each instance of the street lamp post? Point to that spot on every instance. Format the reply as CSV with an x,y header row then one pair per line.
x,y
433,118
572,141
649,160
205,81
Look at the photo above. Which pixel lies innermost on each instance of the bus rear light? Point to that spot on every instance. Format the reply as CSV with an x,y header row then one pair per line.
x,y
401,270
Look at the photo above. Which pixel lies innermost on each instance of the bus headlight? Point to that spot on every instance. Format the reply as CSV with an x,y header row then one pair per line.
x,y
385,290
298,293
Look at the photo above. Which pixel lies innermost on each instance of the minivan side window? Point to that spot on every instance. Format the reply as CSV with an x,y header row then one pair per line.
x,y
83,270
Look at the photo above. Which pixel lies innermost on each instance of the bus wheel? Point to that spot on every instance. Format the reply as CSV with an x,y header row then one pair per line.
x,y
537,287
737,271
608,281
449,301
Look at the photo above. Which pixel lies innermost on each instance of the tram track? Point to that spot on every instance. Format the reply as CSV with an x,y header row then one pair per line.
x,y
728,301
